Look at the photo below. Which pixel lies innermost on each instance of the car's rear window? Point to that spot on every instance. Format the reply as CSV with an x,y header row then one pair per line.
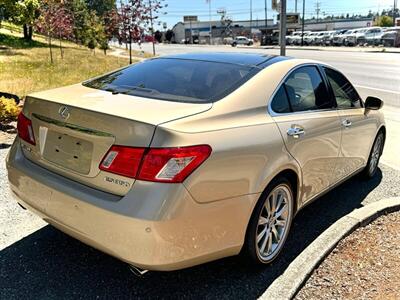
x,y
176,80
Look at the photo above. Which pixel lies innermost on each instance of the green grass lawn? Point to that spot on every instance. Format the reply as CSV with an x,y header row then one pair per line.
x,y
25,67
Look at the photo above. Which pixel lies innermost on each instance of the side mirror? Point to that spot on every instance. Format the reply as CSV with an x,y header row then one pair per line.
x,y
373,103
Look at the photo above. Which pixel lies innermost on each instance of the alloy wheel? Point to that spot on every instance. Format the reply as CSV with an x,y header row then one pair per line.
x,y
375,154
274,222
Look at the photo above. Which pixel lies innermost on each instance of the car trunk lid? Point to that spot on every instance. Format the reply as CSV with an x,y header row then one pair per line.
x,y
75,126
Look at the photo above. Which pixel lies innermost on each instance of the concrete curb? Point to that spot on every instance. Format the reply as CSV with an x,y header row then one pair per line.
x,y
295,276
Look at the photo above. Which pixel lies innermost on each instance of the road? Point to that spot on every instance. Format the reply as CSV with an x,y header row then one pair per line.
x,y
377,71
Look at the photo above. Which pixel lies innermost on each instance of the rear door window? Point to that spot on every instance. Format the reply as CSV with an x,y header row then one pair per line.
x,y
306,90
345,94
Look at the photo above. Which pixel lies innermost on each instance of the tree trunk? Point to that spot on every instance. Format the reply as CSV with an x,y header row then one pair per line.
x,y
130,51
105,51
26,35
51,50
61,49
30,32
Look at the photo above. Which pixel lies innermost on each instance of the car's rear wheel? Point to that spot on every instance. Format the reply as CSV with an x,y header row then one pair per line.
x,y
270,222
374,156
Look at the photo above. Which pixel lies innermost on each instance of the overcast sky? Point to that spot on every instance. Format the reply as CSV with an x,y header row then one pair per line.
x,y
240,9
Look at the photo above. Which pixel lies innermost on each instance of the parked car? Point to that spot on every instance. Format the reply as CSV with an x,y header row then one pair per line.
x,y
187,168
227,40
290,39
371,36
391,37
242,40
298,38
309,38
318,40
356,37
338,37
327,38
270,38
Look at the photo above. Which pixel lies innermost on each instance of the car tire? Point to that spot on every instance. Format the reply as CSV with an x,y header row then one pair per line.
x,y
234,44
374,156
270,222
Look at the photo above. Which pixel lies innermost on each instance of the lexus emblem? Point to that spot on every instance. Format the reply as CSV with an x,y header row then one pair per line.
x,y
64,112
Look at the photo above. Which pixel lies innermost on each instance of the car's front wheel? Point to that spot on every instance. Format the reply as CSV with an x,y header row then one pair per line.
x,y
270,222
374,156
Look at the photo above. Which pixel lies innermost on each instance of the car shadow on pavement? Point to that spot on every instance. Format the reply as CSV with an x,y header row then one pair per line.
x,y
50,264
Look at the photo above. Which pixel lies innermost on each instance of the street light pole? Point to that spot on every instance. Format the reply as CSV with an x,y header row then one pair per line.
x,y
282,28
394,12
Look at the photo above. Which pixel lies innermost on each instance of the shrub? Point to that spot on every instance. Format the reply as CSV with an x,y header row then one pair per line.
x,y
9,110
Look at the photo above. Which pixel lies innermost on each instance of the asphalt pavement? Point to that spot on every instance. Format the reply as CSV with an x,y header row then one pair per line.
x,y
39,262
377,71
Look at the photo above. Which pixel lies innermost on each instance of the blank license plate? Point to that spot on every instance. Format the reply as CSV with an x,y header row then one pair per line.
x,y
68,152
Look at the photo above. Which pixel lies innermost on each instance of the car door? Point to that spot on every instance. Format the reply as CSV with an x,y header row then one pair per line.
x,y
358,129
309,123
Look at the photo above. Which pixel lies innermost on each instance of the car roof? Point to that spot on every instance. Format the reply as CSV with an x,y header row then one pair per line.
x,y
244,59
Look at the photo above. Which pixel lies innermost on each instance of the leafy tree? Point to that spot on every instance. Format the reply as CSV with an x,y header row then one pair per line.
x,y
23,13
81,15
55,21
101,7
158,36
384,21
169,35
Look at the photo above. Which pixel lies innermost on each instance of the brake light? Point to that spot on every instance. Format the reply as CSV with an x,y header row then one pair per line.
x,y
122,160
25,129
172,165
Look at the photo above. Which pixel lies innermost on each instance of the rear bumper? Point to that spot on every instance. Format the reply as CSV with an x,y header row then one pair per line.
x,y
155,226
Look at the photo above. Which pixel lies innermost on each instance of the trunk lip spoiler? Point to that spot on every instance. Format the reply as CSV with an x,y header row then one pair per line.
x,y
72,126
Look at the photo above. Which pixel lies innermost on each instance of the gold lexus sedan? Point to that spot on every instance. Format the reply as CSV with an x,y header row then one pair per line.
x,y
180,160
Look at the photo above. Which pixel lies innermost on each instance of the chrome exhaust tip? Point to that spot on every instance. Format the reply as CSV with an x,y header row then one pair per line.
x,y
137,271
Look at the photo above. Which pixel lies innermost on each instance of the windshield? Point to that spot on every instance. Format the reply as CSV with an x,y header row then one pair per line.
x,y
176,80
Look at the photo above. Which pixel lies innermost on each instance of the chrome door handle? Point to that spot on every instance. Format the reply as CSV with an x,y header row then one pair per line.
x,y
295,131
346,123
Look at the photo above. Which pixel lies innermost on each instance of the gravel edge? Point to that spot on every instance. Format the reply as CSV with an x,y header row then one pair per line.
x,y
297,273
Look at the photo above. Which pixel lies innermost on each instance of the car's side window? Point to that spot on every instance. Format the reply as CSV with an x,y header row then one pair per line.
x,y
345,94
306,90
280,102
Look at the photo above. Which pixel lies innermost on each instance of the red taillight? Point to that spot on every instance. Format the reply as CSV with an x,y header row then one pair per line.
x,y
122,160
155,164
25,129
172,164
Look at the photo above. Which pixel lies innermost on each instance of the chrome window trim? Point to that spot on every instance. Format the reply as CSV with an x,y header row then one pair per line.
x,y
272,113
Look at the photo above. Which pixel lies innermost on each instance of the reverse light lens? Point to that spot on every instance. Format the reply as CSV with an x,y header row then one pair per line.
x,y
122,160
25,129
172,164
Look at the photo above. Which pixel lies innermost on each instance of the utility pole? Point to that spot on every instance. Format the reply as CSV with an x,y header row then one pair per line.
x,y
251,15
302,23
266,15
209,12
282,28
317,9
394,12
295,6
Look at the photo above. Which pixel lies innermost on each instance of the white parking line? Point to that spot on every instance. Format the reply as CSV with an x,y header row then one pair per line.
x,y
377,89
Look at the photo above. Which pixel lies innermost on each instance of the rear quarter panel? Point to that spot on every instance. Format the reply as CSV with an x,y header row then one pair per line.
x,y
248,150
